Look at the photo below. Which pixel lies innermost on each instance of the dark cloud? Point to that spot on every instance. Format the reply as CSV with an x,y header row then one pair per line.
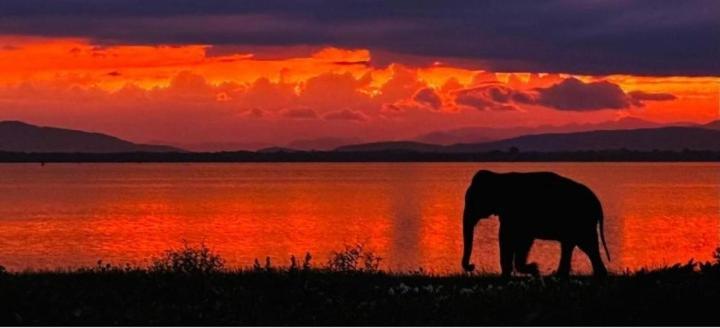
x,y
642,95
586,37
570,94
428,97
637,97
299,113
492,97
255,113
573,94
346,115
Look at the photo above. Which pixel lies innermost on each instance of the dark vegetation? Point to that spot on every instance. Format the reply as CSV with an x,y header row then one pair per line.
x,y
509,155
192,286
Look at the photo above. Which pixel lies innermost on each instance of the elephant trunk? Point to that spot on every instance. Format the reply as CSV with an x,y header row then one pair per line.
x,y
468,231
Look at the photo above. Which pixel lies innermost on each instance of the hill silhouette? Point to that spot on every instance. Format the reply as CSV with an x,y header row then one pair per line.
x,y
321,144
397,146
665,139
714,125
487,134
21,142
274,150
18,136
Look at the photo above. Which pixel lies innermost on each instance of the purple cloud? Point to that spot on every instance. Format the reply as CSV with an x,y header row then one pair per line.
x,y
299,114
493,97
346,115
588,37
642,95
428,97
573,94
568,95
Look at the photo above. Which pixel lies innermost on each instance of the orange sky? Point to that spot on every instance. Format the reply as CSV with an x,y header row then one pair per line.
x,y
183,95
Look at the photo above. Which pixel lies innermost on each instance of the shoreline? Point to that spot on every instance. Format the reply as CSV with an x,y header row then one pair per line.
x,y
608,156
680,293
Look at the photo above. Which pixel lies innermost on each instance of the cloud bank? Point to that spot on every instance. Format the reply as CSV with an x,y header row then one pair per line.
x,y
640,37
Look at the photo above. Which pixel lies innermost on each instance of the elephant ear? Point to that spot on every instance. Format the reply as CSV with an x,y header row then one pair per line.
x,y
494,191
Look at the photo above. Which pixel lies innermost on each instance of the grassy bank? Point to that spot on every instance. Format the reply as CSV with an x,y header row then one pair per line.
x,y
169,293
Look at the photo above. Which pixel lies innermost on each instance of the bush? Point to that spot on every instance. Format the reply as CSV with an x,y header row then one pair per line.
x,y
306,265
102,267
354,258
189,260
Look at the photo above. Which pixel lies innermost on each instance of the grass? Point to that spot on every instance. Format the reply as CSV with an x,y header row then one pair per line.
x,y
348,290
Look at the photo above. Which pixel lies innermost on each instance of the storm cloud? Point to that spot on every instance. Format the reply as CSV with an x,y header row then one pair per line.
x,y
428,96
581,37
570,94
299,113
573,94
346,115
493,97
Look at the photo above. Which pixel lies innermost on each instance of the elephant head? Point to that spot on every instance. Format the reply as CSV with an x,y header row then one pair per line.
x,y
481,202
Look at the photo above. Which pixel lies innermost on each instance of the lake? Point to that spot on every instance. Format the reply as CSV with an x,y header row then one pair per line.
x,y
70,215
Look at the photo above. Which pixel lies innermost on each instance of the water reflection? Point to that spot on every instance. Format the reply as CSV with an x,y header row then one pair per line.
x,y
70,215
406,217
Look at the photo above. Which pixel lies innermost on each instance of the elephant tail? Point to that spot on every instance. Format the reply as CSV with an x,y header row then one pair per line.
x,y
602,235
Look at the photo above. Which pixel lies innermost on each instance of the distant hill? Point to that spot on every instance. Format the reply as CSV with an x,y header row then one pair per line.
x,y
323,143
714,125
486,134
395,146
666,138
270,150
22,137
217,146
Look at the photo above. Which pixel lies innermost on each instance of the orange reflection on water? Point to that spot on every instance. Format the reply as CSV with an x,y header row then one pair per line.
x,y
73,215
681,222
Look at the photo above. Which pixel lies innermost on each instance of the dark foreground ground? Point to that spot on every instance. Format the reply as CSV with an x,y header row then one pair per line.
x,y
681,295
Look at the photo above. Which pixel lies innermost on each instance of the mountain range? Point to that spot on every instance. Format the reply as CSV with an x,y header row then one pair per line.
x,y
485,134
673,138
714,125
22,137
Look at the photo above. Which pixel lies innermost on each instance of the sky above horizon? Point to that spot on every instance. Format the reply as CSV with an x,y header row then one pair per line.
x,y
270,72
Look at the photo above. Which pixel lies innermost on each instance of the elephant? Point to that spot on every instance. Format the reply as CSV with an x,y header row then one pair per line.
x,y
534,205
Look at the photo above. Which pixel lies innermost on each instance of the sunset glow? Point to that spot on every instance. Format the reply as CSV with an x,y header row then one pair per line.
x,y
190,94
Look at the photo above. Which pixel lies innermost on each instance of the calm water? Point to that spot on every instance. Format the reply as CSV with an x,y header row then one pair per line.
x,y
74,214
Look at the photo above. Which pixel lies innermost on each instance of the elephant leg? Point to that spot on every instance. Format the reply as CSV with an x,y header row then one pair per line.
x,y
522,251
566,250
507,247
591,248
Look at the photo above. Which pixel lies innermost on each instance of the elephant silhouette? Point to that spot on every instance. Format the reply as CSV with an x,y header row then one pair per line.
x,y
535,205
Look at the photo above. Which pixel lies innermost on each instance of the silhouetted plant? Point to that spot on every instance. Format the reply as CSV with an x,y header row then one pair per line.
x,y
189,260
354,258
102,267
293,263
306,262
712,267
679,268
